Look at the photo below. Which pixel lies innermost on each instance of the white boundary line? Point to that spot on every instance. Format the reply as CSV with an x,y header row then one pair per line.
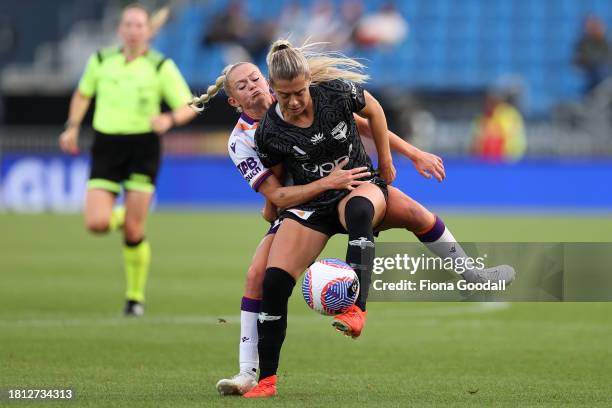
x,y
455,310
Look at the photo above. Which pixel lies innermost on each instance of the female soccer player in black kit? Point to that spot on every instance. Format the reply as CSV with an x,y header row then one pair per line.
x,y
246,89
309,131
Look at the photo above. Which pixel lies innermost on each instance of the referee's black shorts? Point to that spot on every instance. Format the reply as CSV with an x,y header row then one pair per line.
x,y
129,159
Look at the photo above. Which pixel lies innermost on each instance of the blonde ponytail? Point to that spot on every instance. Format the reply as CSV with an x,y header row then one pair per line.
x,y
286,62
158,19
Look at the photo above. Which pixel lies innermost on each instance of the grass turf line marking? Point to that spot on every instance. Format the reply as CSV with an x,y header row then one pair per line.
x,y
477,308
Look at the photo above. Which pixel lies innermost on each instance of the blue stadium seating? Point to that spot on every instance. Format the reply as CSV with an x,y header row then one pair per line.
x,y
459,45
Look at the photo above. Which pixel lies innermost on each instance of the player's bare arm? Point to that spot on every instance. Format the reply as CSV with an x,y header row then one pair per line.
x,y
338,179
69,139
427,164
375,115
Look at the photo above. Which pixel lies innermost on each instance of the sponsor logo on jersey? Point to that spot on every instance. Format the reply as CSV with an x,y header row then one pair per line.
x,y
233,147
317,138
259,153
249,168
301,213
300,154
353,90
339,132
324,169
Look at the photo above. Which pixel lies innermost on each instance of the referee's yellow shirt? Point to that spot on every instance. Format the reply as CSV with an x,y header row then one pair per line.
x,y
128,95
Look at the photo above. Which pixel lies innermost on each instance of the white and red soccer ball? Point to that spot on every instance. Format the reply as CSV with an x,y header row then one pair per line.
x,y
330,286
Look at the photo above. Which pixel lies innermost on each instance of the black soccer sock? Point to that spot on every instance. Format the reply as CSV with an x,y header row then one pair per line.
x,y
272,322
359,213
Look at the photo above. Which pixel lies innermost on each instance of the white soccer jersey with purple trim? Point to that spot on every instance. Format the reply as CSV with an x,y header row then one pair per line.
x,y
241,148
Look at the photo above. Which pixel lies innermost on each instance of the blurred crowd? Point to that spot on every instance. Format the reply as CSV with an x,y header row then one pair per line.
x,y
499,130
358,29
344,28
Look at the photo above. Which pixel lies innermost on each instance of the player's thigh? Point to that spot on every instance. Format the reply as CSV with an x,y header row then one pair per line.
x,y
98,208
405,212
372,193
295,247
136,210
257,269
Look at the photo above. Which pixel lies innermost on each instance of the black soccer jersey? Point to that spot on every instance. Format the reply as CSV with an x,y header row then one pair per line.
x,y
309,154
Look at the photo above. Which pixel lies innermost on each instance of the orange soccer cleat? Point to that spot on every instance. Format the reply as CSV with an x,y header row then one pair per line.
x,y
264,389
351,322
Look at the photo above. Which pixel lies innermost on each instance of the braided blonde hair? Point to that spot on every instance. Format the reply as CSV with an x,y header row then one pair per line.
x,y
286,62
198,103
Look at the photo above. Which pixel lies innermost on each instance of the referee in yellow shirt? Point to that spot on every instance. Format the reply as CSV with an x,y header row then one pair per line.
x,y
129,83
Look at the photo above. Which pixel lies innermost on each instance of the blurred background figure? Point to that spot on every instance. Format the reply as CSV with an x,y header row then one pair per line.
x,y
129,83
242,38
293,22
351,14
499,131
593,54
324,24
385,27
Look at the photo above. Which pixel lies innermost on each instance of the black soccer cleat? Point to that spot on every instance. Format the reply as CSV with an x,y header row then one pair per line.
x,y
133,308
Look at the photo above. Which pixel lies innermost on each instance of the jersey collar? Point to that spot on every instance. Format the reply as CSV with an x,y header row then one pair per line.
x,y
247,118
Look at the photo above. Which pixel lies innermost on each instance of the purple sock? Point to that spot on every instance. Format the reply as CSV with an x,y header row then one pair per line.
x,y
434,233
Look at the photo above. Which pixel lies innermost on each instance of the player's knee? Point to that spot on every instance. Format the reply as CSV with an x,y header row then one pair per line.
x,y
359,211
133,231
254,280
419,218
277,283
426,218
97,225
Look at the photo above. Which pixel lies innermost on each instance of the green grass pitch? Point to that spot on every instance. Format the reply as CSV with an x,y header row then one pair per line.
x,y
60,325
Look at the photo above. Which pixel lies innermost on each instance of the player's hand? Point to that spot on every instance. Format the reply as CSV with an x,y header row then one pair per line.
x,y
340,179
428,165
69,140
162,123
269,212
387,171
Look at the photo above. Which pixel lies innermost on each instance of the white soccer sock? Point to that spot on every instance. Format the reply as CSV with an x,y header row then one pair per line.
x,y
249,356
441,242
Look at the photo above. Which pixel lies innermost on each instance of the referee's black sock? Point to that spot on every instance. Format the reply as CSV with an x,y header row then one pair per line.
x,y
359,213
272,322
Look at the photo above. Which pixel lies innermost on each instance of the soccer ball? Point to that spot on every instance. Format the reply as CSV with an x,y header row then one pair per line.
x,y
330,286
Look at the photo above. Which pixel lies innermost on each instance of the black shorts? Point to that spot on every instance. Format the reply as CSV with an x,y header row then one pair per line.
x,y
129,159
274,226
326,220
